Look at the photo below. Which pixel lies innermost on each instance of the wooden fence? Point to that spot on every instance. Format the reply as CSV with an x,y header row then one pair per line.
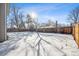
x,y
64,30
76,33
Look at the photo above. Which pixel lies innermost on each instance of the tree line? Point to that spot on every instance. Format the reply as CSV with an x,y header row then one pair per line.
x,y
16,18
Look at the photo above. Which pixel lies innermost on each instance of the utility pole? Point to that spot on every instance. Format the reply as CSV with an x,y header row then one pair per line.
x,y
56,26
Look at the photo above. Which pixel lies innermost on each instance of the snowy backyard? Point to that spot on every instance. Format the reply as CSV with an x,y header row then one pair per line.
x,y
26,44
39,29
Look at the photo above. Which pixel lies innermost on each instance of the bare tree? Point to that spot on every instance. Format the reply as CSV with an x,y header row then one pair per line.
x,y
12,23
15,14
22,24
16,18
30,22
49,22
73,17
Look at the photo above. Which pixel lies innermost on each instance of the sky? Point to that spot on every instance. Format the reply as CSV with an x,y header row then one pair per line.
x,y
48,11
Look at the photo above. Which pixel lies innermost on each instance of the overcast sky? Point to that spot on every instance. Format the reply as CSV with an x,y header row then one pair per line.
x,y
46,11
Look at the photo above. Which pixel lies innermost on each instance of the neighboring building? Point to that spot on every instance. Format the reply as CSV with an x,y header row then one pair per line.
x,y
3,13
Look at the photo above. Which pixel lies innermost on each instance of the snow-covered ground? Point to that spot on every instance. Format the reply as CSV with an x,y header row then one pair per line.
x,y
43,44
